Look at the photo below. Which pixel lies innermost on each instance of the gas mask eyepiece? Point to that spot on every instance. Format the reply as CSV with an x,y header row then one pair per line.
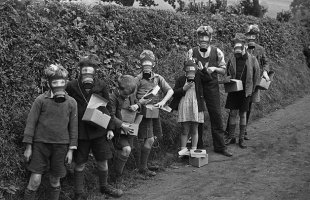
x,y
58,87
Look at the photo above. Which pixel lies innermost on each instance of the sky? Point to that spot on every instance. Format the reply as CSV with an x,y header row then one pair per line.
x,y
274,6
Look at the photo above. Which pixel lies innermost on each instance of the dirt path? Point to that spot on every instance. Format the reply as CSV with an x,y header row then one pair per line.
x,y
276,165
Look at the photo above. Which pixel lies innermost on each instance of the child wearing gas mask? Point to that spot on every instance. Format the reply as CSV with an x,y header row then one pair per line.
x,y
188,100
149,127
91,138
51,133
252,33
242,66
123,98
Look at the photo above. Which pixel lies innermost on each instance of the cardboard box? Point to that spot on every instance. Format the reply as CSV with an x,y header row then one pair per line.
x,y
136,124
95,116
263,83
198,153
150,111
233,86
198,162
128,116
151,93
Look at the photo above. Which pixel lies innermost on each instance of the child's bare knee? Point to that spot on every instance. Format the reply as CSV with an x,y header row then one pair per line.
x,y
35,181
126,150
79,167
102,165
54,181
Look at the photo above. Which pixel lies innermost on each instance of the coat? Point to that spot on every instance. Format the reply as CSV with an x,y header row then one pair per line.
x,y
252,75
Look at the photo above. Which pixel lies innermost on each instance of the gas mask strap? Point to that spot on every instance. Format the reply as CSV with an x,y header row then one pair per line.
x,y
82,92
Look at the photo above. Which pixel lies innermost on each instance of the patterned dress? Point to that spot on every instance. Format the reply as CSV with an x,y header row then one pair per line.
x,y
188,108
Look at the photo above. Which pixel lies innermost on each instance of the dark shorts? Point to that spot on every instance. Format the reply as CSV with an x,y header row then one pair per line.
x,y
101,148
48,157
149,128
123,141
238,101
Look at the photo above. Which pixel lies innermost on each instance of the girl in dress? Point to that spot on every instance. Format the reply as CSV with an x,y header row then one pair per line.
x,y
188,100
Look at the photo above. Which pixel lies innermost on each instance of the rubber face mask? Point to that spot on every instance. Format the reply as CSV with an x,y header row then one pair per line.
x,y
204,42
87,77
251,41
58,87
190,73
147,68
239,50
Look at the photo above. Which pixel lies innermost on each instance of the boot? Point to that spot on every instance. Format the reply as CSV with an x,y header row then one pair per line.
x,y
54,193
241,137
230,139
29,194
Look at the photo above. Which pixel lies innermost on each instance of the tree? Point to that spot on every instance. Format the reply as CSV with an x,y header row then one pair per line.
x,y
284,16
300,5
249,7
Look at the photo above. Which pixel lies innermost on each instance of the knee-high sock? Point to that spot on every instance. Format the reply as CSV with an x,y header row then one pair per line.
x,y
119,163
79,182
29,194
54,193
242,131
145,152
231,130
103,178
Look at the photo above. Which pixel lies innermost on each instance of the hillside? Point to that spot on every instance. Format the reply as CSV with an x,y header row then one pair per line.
x,y
41,34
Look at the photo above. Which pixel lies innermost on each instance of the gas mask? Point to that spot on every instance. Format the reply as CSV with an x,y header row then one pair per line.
x,y
190,74
239,50
87,77
58,87
251,41
204,42
147,68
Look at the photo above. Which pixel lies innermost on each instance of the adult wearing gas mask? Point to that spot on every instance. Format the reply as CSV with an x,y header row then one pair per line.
x,y
210,62
259,52
91,137
241,66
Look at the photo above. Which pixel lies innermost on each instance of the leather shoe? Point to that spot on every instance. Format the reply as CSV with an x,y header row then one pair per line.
x,y
224,152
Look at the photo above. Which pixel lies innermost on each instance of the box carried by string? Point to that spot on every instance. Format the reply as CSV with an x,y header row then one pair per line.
x,y
95,116
234,85
263,83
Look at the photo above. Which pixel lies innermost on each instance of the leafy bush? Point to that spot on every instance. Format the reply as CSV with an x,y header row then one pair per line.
x,y
43,33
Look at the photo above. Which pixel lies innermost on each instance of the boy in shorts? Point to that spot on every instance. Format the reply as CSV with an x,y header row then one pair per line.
x,y
91,138
123,98
51,133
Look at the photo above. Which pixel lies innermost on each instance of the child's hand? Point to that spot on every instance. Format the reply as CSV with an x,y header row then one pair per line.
x,y
210,70
28,152
160,104
69,156
110,135
187,85
133,107
144,101
127,128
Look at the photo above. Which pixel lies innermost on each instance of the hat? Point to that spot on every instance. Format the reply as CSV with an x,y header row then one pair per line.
x,y
90,60
55,71
204,30
252,29
239,37
190,65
